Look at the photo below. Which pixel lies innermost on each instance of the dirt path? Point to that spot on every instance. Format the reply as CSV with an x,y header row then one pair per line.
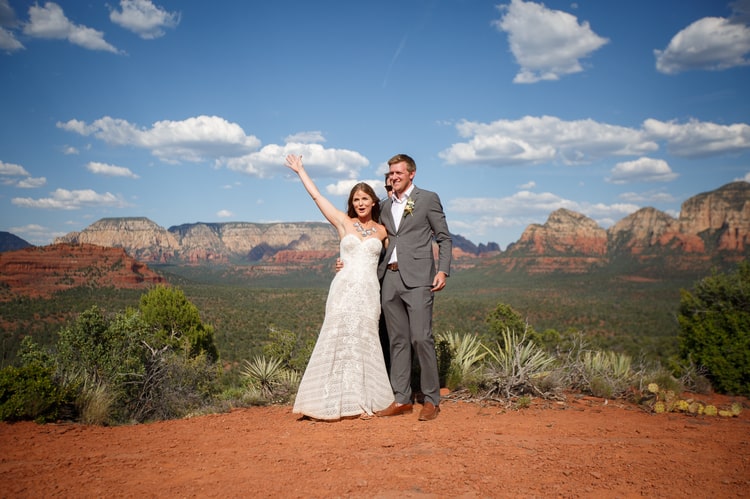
x,y
582,448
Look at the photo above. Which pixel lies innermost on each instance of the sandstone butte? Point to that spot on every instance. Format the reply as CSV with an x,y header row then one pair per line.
x,y
42,271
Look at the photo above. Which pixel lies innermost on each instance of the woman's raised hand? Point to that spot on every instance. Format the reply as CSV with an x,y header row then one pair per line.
x,y
294,162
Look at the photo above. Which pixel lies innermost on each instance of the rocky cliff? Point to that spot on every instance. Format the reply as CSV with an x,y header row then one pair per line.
x,y
713,228
42,271
209,242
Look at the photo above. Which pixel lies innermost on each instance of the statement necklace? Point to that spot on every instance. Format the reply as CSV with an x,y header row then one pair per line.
x,y
365,232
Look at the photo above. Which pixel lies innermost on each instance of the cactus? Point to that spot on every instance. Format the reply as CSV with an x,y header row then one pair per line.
x,y
653,388
682,405
710,410
659,407
736,409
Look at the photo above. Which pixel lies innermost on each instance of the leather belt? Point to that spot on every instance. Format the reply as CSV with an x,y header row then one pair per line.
x,y
393,266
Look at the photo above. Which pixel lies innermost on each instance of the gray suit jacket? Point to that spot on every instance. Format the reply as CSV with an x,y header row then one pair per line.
x,y
416,261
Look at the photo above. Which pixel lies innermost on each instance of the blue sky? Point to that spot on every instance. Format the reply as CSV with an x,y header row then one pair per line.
x,y
182,111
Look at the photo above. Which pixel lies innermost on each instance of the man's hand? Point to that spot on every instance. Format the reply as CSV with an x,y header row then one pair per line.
x,y
339,264
439,282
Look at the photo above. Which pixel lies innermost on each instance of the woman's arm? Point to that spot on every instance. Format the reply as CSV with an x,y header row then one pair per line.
x,y
336,217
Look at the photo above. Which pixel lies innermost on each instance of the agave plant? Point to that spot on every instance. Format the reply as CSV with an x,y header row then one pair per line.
x,y
515,363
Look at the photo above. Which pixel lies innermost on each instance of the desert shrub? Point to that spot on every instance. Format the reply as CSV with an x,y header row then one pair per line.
x,y
516,366
123,368
288,347
504,318
463,359
693,377
714,332
173,385
94,402
30,392
602,374
178,321
99,359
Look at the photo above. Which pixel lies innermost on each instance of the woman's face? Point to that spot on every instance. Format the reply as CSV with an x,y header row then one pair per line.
x,y
362,203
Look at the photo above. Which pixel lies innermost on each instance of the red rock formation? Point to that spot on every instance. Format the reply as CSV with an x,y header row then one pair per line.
x,y
45,270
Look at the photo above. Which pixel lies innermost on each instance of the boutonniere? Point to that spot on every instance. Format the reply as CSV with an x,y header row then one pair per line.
x,y
409,209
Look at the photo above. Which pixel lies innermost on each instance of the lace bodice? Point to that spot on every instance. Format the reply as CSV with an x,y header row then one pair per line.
x,y
356,285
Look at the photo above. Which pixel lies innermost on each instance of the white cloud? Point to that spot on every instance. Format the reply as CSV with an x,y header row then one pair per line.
x,y
8,41
110,170
194,139
224,214
306,138
534,140
710,43
699,139
63,199
319,161
50,22
35,234
642,170
11,169
31,182
547,139
649,197
344,187
144,18
524,208
546,43
528,185
68,150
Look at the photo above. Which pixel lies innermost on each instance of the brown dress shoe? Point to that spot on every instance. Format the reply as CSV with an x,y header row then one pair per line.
x,y
395,410
429,412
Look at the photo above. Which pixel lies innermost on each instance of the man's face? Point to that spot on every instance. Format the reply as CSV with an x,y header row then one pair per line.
x,y
400,177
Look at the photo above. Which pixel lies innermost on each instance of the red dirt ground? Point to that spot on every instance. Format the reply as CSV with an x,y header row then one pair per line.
x,y
585,447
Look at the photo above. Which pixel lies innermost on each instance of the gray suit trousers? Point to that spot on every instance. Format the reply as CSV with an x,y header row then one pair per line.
x,y
408,317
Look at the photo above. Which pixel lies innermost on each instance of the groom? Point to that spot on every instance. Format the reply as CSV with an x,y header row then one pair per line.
x,y
413,218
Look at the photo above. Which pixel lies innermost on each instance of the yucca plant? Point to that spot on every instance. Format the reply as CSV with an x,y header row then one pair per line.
x,y
467,353
515,364
270,379
606,374
263,374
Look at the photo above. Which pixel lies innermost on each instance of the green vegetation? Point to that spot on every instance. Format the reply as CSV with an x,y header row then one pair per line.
x,y
117,369
107,357
715,329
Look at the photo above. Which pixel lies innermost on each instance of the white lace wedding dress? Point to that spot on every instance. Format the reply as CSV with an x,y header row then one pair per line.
x,y
346,374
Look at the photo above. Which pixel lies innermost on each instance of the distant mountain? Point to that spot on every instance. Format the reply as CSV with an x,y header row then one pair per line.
x,y
712,228
10,242
41,271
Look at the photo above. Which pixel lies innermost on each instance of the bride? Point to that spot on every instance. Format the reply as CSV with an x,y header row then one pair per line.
x,y
346,374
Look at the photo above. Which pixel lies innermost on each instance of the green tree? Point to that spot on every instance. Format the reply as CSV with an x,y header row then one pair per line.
x,y
503,318
715,328
178,321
